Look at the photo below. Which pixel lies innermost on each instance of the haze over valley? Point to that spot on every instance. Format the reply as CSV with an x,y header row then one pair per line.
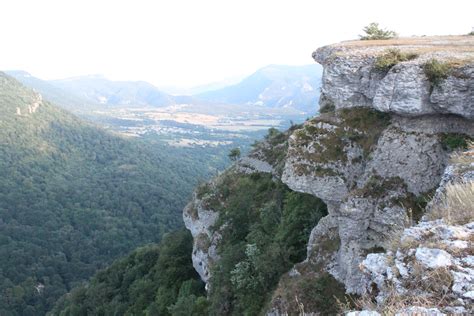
x,y
227,158
234,115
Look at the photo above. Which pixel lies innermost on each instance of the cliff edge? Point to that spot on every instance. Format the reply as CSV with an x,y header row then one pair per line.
x,y
393,113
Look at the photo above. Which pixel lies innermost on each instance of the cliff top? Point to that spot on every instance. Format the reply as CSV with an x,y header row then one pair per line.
x,y
459,47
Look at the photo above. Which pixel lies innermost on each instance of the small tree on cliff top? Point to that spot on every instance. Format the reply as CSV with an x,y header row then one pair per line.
x,y
234,154
374,32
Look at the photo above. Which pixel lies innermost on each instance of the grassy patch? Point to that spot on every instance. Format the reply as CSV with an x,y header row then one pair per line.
x,y
436,71
346,127
454,141
318,293
390,58
456,205
377,186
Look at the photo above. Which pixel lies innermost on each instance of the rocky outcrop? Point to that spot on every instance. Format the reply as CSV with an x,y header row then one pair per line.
x,y
431,263
372,169
351,78
375,157
199,220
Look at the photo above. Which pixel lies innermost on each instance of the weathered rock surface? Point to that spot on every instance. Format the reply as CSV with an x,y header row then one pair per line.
x,y
199,221
372,161
372,175
431,263
426,265
350,78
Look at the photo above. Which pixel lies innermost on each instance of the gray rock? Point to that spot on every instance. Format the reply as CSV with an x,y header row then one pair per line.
x,y
350,78
363,313
417,158
433,258
416,310
199,221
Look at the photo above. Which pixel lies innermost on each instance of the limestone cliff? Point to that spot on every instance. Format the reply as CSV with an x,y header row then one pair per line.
x,y
375,156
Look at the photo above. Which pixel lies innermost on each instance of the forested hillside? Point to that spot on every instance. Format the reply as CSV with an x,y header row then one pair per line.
x,y
153,280
74,197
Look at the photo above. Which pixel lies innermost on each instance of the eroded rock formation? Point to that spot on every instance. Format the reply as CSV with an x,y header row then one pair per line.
x,y
374,157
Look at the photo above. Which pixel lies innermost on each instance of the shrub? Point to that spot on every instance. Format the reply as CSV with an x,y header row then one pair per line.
x,y
453,141
374,32
234,154
436,71
392,57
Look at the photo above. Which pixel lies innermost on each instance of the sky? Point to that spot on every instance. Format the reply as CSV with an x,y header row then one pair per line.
x,y
185,43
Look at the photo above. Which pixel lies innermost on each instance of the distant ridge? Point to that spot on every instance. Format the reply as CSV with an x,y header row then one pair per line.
x,y
274,86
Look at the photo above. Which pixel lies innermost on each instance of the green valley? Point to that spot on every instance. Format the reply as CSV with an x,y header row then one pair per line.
x,y
73,197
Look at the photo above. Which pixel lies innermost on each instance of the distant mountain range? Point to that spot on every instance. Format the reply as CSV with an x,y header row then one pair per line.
x,y
98,89
273,86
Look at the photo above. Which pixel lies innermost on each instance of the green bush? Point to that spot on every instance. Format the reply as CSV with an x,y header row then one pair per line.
x,y
392,57
374,32
436,71
234,154
322,294
453,141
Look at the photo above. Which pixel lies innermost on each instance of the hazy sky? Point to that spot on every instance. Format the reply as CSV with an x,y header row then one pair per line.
x,y
192,42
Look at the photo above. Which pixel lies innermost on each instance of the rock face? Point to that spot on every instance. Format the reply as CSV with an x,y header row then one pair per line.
x,y
351,79
431,263
199,221
443,277
373,169
380,150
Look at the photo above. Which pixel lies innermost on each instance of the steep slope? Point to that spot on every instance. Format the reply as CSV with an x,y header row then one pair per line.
x,y
98,89
74,197
374,157
153,280
274,86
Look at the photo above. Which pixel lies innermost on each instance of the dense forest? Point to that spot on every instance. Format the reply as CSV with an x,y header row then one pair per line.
x,y
73,198
266,233
153,280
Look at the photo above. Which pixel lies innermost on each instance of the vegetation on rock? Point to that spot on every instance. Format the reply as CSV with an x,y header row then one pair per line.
x,y
436,71
390,58
331,133
374,32
234,154
454,141
264,227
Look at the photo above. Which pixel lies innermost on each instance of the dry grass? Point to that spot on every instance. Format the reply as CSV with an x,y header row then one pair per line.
x,y
464,158
435,285
460,47
450,43
457,204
